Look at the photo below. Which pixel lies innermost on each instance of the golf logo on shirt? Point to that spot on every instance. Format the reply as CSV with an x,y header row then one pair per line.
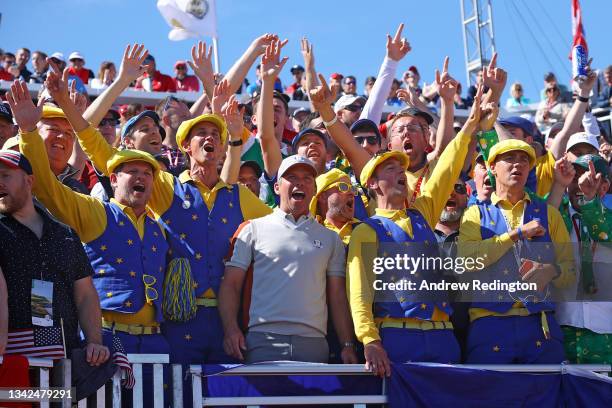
x,y
317,243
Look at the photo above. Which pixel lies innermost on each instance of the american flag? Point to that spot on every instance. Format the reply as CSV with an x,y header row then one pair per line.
x,y
43,342
120,360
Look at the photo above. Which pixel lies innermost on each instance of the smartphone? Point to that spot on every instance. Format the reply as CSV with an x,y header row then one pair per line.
x,y
527,265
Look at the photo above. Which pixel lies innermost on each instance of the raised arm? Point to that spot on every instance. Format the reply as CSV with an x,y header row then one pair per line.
x,y
131,68
309,65
397,48
201,64
233,118
322,99
447,88
271,65
572,122
83,213
240,69
563,175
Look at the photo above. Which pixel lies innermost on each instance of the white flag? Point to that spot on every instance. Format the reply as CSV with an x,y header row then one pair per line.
x,y
189,18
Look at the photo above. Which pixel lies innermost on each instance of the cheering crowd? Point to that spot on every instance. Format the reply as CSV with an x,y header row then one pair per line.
x,y
234,230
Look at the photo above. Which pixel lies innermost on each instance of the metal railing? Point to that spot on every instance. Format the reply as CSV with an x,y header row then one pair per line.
x,y
358,401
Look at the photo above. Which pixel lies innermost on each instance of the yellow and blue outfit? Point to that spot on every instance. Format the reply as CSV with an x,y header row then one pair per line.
x,y
410,329
503,329
200,222
127,252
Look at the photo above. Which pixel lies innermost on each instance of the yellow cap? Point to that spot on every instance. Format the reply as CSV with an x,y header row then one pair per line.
x,y
131,155
324,182
375,161
183,130
510,145
53,112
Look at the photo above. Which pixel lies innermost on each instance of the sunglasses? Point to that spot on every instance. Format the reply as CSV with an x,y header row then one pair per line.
x,y
150,292
371,140
168,101
108,122
350,83
354,108
345,188
460,188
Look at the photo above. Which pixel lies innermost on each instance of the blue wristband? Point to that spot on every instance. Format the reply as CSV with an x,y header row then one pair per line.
x,y
520,233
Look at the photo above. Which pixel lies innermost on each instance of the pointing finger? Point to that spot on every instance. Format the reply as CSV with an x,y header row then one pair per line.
x,y
445,66
398,33
493,62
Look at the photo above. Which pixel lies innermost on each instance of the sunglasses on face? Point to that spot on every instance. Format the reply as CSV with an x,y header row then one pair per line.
x,y
350,83
108,122
371,140
345,188
460,188
354,108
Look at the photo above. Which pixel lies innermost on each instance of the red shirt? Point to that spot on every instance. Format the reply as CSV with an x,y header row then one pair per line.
x,y
89,177
189,83
5,75
292,88
159,82
82,73
288,135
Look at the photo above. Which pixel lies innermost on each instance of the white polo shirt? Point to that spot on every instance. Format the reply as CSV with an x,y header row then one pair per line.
x,y
291,262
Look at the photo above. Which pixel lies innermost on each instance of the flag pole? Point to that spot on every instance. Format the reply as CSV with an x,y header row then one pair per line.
x,y
63,337
216,54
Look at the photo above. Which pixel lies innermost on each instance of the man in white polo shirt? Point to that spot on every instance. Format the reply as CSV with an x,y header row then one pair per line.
x,y
298,268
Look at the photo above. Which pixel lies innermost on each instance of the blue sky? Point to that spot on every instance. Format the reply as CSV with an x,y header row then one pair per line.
x,y
532,36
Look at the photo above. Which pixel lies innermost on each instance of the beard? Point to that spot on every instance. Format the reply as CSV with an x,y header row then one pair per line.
x,y
451,215
13,203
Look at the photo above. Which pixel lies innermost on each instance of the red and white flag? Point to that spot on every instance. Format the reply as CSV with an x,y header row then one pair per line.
x,y
578,34
43,342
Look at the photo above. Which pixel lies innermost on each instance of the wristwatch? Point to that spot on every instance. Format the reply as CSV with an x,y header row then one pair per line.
x,y
235,142
582,98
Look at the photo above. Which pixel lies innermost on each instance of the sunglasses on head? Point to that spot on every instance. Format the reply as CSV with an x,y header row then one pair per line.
x,y
108,122
371,140
168,101
460,188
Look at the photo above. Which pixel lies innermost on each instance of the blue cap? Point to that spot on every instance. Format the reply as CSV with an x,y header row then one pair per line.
x,y
15,160
516,121
308,131
132,122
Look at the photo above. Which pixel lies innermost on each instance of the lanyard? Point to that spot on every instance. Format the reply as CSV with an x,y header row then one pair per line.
x,y
417,186
517,246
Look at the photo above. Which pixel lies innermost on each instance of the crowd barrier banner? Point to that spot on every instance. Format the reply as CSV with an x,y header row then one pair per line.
x,y
410,385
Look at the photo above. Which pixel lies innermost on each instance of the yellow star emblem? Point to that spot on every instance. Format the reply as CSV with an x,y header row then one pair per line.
x,y
492,222
231,205
426,242
183,235
547,246
132,274
506,271
109,294
224,220
121,223
500,297
198,256
188,337
130,242
423,306
195,284
119,260
402,299
101,272
154,248
538,343
194,217
496,349
103,247
389,234
168,221
536,210
155,234
128,304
